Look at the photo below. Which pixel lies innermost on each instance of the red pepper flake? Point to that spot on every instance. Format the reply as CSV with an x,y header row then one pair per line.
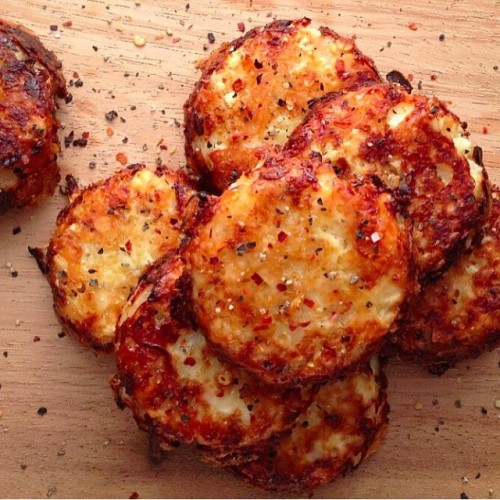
x,y
110,132
36,338
281,287
433,77
122,158
213,261
128,246
294,325
412,26
486,130
241,27
134,494
190,361
266,321
68,24
238,85
308,302
282,236
257,279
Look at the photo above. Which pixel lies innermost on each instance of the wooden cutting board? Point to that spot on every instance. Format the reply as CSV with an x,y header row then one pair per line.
x,y
443,439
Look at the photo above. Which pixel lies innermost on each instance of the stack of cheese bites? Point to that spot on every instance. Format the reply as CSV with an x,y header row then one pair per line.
x,y
329,215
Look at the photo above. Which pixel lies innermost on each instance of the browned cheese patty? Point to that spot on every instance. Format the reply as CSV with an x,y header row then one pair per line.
x,y
344,424
298,274
254,91
415,146
174,382
459,315
30,79
103,241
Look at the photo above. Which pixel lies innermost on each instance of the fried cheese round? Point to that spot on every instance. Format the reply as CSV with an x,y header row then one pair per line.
x,y
30,80
459,315
103,241
254,91
345,423
176,386
417,148
297,274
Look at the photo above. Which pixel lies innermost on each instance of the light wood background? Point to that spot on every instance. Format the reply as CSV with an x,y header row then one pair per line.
x,y
84,446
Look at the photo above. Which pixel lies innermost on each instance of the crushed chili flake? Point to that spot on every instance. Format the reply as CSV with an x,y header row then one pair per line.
x,y
412,26
241,27
308,302
16,230
42,411
257,279
433,77
134,494
486,130
110,132
68,24
282,236
36,338
121,158
190,361
281,287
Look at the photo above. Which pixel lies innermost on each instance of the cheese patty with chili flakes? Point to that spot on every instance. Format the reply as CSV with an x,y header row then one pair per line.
x,y
459,315
254,91
344,424
298,274
30,80
104,239
175,384
417,148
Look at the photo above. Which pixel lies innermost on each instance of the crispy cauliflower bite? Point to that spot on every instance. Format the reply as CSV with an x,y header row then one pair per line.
x,y
344,424
459,315
30,79
298,274
104,240
254,91
176,386
417,148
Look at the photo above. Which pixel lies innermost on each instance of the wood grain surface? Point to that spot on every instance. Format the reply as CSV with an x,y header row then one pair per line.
x,y
443,439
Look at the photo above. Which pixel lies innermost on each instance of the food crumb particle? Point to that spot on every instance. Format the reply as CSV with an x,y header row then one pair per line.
x,y
139,41
442,37
42,411
211,37
418,405
134,494
497,404
464,495
36,338
121,158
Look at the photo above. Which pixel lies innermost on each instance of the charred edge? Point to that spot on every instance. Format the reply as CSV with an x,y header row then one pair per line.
x,y
396,76
40,257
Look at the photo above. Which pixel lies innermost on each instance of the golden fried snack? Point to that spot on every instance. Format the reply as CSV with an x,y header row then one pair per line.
x,y
254,91
298,274
30,79
176,386
105,239
344,424
416,147
459,315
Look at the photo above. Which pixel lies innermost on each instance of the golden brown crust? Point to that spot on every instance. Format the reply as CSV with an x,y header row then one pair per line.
x,y
459,315
255,90
30,78
344,424
103,241
297,274
176,386
416,147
